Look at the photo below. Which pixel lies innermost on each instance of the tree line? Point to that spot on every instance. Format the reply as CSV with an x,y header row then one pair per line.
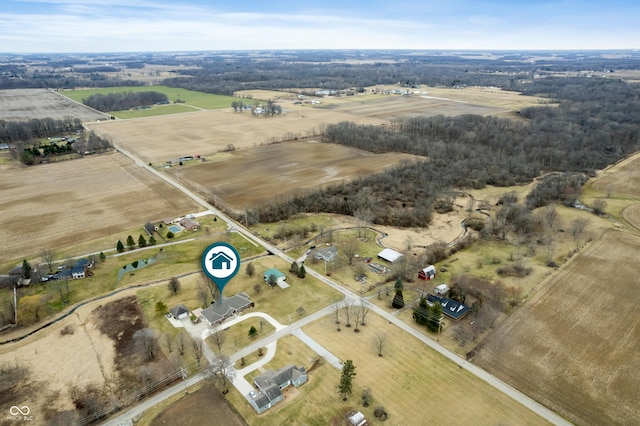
x,y
15,131
124,100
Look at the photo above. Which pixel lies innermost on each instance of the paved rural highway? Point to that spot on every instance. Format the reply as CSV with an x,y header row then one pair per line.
x,y
498,384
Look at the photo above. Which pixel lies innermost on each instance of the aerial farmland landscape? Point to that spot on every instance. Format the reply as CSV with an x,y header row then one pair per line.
x,y
272,222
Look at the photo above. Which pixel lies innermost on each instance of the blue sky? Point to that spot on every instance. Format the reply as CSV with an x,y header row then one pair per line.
x,y
34,26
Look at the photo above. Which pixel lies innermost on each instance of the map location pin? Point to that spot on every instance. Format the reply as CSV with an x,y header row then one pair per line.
x,y
220,262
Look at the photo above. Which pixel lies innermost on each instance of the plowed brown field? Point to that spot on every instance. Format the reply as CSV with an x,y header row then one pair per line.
x,y
59,204
246,177
574,346
25,104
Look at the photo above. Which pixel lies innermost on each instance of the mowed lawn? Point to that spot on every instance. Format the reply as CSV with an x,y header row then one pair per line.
x,y
189,97
574,347
415,384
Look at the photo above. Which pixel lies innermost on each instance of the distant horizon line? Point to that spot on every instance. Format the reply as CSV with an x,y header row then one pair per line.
x,y
489,50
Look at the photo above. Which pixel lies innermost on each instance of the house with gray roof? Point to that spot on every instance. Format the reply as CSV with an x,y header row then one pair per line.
x,y
271,383
328,254
179,312
216,313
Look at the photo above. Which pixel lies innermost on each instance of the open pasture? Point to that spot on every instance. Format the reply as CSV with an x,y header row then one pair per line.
x,y
573,347
59,204
414,382
27,104
158,139
246,177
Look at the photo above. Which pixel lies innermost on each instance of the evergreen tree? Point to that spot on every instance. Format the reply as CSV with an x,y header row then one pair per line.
x,y
152,240
141,241
26,269
398,300
302,272
130,242
294,267
398,285
253,332
103,257
346,379
120,247
428,314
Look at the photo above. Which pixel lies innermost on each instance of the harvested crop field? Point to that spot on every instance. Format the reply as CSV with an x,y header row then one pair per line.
x,y
61,204
393,107
621,178
159,139
632,215
26,104
246,177
574,346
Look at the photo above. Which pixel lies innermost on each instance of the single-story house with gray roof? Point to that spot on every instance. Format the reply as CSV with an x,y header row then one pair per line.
x,y
328,254
216,313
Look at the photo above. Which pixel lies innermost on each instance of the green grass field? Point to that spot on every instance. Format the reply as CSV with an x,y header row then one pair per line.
x,y
197,99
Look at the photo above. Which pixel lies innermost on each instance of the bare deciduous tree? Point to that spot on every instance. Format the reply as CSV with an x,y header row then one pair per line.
x,y
174,285
218,337
257,288
181,343
168,341
210,285
147,340
364,310
577,226
347,309
197,350
203,295
336,312
350,248
221,371
380,340
47,256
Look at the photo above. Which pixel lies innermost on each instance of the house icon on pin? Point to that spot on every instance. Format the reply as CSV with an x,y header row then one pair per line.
x,y
220,261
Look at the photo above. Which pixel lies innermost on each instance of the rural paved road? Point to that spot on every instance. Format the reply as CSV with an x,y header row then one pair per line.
x,y
498,384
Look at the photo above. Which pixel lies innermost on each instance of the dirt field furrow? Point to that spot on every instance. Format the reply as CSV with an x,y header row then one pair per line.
x,y
572,346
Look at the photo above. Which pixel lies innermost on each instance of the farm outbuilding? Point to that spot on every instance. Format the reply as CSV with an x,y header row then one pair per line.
x,y
389,255
427,273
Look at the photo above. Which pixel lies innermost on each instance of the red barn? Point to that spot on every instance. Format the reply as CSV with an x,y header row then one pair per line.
x,y
427,273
